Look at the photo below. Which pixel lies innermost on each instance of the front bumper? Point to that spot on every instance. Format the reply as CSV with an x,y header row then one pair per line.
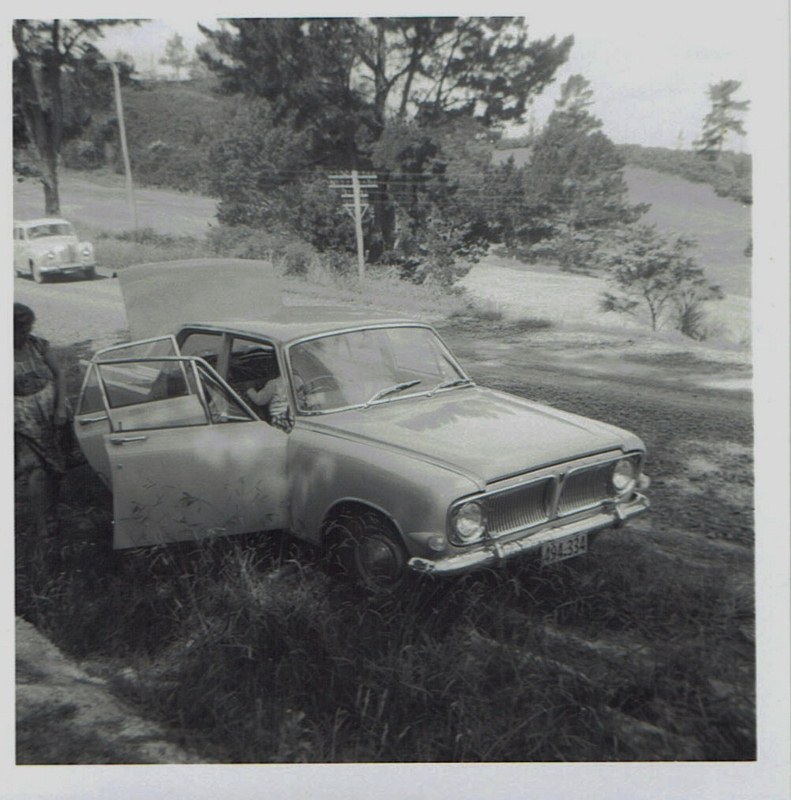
x,y
490,554
66,269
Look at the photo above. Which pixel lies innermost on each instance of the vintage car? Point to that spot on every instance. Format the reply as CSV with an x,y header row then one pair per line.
x,y
354,431
49,246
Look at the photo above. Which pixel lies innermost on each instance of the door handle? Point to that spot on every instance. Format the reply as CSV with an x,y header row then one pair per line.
x,y
89,420
124,439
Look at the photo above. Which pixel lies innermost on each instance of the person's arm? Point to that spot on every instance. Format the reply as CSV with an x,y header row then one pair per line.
x,y
262,397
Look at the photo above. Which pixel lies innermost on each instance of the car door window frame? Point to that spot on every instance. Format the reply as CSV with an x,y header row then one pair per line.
x,y
195,364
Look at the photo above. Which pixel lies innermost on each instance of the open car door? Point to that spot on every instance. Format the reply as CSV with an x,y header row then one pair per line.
x,y
91,420
185,457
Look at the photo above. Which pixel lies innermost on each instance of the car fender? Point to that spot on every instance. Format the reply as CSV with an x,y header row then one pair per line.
x,y
327,470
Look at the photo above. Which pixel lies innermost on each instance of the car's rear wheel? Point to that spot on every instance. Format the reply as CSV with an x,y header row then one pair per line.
x,y
35,271
367,549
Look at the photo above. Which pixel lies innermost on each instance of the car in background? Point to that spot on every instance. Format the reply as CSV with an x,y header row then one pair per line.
x,y
354,431
50,246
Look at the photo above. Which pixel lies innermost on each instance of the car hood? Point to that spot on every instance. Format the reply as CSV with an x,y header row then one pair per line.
x,y
159,298
485,434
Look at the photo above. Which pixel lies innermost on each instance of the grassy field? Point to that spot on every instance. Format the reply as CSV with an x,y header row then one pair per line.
x,y
721,227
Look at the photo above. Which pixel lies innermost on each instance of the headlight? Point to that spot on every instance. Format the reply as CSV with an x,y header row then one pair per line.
x,y
624,476
468,523
50,255
87,250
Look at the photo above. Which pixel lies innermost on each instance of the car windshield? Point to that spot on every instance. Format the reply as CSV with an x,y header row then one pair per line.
x,y
370,366
50,229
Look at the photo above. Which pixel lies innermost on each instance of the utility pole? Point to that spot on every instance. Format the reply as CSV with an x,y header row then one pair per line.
x,y
130,195
354,190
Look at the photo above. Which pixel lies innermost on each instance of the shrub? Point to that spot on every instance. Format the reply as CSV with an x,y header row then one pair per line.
x,y
296,258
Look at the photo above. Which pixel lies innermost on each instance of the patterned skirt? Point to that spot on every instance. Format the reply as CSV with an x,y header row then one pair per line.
x,y
36,437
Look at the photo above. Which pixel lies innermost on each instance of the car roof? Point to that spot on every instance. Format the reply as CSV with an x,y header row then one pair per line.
x,y
41,221
290,323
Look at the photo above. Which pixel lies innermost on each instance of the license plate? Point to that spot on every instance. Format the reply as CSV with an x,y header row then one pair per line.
x,y
561,549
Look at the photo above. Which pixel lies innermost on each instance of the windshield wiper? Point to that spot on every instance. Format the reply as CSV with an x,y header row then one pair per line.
x,y
451,383
399,387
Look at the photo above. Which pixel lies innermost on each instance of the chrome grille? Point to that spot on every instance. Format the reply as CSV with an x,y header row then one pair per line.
x,y
559,492
519,508
585,488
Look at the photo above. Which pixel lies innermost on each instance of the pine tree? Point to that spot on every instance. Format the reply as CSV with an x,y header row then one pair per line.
x,y
722,119
176,54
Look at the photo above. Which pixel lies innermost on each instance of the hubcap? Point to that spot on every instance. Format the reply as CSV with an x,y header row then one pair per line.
x,y
378,559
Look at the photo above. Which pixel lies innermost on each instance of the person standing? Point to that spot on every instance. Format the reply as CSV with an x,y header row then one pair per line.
x,y
41,410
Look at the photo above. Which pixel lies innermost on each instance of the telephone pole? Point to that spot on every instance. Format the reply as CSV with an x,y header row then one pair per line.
x,y
354,189
130,195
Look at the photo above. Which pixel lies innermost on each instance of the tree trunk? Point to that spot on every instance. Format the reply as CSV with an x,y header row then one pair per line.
x,y
38,81
49,179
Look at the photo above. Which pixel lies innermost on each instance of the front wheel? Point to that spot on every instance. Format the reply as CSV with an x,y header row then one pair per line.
x,y
368,549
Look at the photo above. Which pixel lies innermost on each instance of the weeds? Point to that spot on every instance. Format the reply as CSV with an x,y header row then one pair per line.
x,y
251,649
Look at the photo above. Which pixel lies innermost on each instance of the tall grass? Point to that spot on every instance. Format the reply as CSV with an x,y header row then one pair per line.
x,y
253,653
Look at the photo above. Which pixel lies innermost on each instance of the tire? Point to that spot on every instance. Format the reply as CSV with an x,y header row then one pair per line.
x,y
367,549
89,273
35,271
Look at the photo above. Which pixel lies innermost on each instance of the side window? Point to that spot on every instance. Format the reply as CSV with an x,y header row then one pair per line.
x,y
254,373
222,406
252,364
152,394
204,344
149,348
129,384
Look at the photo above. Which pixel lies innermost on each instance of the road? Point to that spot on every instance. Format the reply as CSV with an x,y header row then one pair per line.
x,y
102,203
75,311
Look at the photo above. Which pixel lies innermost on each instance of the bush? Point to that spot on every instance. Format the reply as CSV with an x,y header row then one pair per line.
x,y
296,258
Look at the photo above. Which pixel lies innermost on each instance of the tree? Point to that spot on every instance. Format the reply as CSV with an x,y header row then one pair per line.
x,y
574,182
722,119
657,272
261,173
176,54
345,82
57,82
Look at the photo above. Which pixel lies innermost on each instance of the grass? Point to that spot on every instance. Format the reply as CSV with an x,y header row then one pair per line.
x,y
251,650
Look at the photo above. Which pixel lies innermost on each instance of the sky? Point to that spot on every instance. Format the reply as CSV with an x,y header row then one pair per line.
x,y
650,65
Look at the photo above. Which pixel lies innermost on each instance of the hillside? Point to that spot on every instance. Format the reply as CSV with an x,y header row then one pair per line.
x,y
721,226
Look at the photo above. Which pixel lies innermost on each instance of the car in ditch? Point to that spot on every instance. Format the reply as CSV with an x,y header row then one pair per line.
x,y
50,246
353,431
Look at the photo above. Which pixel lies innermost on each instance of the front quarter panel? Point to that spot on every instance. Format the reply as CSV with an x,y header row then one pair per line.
x,y
326,468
